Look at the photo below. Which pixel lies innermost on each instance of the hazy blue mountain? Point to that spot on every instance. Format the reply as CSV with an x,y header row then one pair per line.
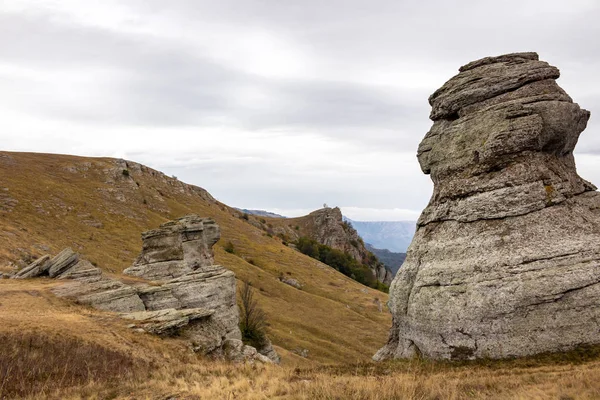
x,y
391,260
261,213
392,235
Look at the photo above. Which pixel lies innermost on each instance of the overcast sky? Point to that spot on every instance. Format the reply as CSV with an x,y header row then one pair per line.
x,y
273,104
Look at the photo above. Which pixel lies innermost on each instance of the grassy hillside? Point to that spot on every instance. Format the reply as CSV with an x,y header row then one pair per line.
x,y
99,207
53,348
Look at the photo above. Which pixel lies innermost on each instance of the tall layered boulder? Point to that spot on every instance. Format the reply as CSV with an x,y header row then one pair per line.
x,y
179,256
506,258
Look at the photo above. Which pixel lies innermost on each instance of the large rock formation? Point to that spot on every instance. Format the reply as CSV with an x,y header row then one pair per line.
x,y
506,258
185,294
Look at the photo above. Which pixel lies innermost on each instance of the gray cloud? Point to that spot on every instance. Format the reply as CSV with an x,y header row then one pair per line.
x,y
157,81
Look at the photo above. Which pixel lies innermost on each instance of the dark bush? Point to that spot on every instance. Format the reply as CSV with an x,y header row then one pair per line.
x,y
253,319
229,247
339,260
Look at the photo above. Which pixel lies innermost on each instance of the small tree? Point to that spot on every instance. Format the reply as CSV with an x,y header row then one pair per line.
x,y
253,319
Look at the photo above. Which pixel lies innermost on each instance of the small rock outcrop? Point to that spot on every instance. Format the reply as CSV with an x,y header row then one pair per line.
x,y
186,294
327,226
506,258
331,230
290,281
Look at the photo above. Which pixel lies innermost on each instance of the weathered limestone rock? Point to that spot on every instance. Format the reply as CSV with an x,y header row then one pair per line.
x,y
267,350
236,351
291,281
176,248
105,294
167,321
63,261
83,270
506,258
35,269
179,256
212,287
190,297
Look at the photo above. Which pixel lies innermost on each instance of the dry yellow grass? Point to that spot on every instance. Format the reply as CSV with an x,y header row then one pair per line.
x,y
165,368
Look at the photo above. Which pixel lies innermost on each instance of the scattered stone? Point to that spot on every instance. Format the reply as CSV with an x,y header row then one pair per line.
x,y
235,350
378,304
506,258
302,352
290,281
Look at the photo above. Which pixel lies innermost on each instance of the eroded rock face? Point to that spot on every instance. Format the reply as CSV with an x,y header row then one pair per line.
x,y
506,258
176,248
212,287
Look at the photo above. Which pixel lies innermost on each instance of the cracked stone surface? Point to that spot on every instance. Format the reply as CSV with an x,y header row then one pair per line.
x,y
176,248
506,258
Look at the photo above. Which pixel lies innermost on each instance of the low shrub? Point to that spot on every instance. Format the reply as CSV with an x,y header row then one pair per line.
x,y
253,319
229,247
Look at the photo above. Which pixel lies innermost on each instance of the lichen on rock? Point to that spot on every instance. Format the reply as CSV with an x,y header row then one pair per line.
x,y
506,258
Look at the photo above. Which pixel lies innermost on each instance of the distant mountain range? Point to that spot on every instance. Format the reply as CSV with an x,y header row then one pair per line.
x,y
260,213
392,235
391,260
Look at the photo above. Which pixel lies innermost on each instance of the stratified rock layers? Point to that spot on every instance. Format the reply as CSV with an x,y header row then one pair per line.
x,y
182,294
506,258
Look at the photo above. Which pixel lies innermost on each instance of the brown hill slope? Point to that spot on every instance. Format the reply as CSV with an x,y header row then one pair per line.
x,y
99,207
